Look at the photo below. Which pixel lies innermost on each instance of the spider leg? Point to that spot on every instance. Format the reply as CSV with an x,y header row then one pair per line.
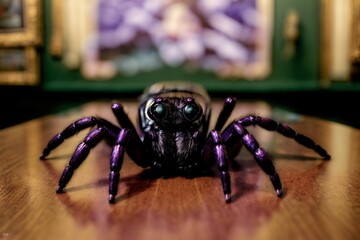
x,y
122,117
215,149
116,162
235,136
225,113
135,148
68,132
81,152
286,131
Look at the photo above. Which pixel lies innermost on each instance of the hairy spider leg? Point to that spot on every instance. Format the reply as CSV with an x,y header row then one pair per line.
x,y
286,131
236,135
215,150
225,113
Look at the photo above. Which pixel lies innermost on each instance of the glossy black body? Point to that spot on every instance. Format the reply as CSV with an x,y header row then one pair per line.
x,y
178,141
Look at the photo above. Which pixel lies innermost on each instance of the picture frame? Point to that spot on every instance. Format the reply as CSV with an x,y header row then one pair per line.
x,y
355,40
19,66
340,41
20,22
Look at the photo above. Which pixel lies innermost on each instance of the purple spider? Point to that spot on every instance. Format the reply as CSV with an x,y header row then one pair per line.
x,y
174,121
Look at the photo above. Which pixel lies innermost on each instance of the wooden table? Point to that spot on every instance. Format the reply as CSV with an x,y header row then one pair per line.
x,y
321,201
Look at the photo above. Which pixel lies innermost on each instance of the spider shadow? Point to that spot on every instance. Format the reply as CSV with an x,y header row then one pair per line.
x,y
247,173
138,183
145,179
245,168
244,179
295,157
135,184
97,184
58,157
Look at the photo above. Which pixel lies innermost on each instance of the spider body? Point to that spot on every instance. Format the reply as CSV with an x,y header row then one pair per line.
x,y
174,137
175,116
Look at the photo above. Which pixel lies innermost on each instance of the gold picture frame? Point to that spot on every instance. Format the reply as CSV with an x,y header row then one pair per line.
x,y
20,22
340,41
355,40
19,66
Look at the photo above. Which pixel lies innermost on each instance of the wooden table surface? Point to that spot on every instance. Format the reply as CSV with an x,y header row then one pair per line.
x,y
321,200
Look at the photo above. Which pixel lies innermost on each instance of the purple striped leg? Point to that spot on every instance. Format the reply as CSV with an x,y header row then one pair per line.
x,y
81,152
235,136
284,130
215,150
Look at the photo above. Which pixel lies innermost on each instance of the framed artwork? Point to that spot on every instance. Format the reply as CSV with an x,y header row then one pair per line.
x,y
231,39
19,66
20,23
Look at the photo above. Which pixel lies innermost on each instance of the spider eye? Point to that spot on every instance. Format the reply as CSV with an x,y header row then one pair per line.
x,y
191,111
158,111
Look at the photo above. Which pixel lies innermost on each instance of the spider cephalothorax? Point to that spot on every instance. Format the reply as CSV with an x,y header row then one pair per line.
x,y
175,114
174,139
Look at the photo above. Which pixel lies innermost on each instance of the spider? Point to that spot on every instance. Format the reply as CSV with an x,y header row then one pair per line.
x,y
173,118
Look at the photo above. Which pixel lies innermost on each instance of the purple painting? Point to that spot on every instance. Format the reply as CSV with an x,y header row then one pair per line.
x,y
223,37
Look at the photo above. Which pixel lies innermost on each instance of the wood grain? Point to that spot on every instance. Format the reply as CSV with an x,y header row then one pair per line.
x,y
321,201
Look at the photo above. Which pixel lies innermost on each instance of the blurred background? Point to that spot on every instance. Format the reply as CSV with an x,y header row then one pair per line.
x,y
302,56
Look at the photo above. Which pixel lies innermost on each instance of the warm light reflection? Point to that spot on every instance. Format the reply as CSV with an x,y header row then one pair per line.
x,y
338,184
